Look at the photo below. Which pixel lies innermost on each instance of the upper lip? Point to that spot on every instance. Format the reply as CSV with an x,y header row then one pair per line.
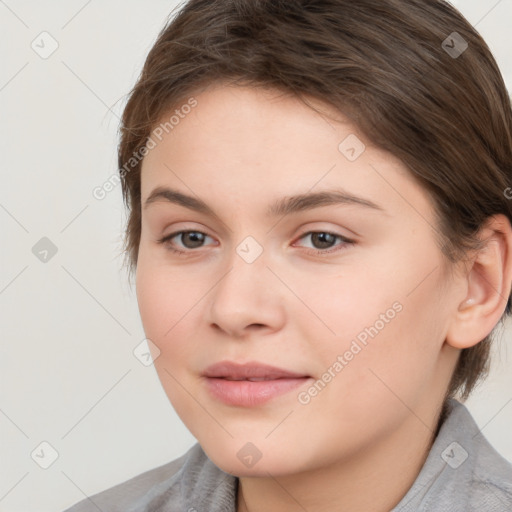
x,y
251,370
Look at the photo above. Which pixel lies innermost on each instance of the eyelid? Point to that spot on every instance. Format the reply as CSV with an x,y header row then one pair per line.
x,y
183,227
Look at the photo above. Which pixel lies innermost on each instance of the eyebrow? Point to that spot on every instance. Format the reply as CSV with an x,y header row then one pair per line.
x,y
281,207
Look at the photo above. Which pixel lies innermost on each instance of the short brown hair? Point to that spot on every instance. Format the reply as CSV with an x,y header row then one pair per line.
x,y
393,67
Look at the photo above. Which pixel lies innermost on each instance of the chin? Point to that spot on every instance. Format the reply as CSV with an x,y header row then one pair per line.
x,y
244,459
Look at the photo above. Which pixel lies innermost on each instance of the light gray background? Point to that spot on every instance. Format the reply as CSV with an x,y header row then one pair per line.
x,y
68,375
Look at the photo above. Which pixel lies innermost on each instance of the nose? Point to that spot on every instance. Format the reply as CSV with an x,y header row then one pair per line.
x,y
246,299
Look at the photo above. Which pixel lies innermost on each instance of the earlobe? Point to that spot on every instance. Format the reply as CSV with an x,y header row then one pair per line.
x,y
488,283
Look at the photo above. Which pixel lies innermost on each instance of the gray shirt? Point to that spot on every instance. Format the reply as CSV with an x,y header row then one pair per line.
x,y
462,473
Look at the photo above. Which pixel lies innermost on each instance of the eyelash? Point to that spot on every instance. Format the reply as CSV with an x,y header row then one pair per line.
x,y
346,242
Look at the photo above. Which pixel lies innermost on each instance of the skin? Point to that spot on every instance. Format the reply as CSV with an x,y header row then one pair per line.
x,y
362,440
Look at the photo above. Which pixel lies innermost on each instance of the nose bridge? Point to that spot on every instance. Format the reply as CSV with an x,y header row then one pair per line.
x,y
244,279
244,294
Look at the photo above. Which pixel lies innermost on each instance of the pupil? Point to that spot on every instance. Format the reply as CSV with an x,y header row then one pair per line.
x,y
324,240
195,239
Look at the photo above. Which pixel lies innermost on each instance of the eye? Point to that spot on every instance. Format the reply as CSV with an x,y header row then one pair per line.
x,y
189,240
322,240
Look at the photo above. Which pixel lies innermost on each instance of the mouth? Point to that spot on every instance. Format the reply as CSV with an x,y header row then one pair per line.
x,y
250,379
250,384
249,371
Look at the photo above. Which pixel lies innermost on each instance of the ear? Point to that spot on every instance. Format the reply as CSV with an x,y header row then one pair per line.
x,y
488,282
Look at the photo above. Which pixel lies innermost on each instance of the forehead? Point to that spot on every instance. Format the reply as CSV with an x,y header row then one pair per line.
x,y
242,119
243,143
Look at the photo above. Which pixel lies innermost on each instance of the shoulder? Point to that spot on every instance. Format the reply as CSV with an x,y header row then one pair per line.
x,y
122,497
491,481
462,473
485,474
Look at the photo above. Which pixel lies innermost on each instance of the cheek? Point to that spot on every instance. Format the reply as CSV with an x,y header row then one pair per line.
x,y
387,325
170,301
163,306
162,302
156,304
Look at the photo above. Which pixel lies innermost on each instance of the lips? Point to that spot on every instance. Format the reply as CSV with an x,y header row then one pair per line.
x,y
250,384
249,371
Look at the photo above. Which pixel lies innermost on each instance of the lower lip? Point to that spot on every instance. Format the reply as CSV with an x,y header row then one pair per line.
x,y
247,393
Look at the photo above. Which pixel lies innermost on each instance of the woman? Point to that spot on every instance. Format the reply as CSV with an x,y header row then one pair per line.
x,y
320,231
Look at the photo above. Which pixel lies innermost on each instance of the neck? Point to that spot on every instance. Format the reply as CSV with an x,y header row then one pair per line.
x,y
376,478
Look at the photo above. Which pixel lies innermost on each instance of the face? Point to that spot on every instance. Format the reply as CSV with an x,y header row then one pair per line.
x,y
341,288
